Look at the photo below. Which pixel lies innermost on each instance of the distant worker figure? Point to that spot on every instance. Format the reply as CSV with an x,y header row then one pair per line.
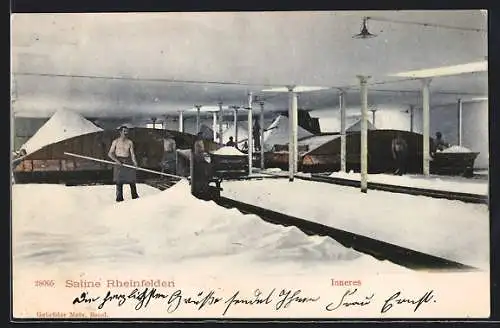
x,y
122,152
18,157
169,160
231,143
400,153
244,148
198,145
439,143
22,152
256,135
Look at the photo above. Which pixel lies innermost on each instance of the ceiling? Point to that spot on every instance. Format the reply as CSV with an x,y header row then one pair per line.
x,y
121,64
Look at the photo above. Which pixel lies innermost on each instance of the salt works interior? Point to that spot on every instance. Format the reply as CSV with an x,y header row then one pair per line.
x,y
268,142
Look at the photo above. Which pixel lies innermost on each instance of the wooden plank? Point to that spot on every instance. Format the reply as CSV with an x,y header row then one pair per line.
x,y
45,165
125,165
67,165
87,165
24,166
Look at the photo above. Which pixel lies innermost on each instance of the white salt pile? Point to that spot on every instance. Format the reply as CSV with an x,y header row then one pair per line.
x,y
277,133
356,126
316,141
164,229
457,149
272,170
228,150
64,124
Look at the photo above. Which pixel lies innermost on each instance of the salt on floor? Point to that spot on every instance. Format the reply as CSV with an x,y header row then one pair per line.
x,y
55,225
449,229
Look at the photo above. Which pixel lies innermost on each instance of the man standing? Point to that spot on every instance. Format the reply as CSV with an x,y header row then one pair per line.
x,y
169,160
439,143
400,153
256,135
122,152
244,148
199,168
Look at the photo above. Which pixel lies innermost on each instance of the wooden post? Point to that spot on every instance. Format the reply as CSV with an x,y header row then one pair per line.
x,y
221,141
250,136
426,125
261,135
292,131
343,141
459,109
364,133
198,118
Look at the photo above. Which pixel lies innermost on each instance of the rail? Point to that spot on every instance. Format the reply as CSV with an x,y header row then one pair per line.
x,y
379,249
450,195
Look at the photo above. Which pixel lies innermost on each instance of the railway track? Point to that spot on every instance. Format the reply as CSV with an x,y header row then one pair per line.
x,y
450,195
162,184
242,178
381,250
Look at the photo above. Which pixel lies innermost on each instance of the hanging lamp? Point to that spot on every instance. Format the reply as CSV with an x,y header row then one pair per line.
x,y
364,34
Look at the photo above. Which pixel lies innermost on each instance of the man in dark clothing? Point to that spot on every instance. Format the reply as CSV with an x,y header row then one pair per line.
x,y
231,143
400,154
244,148
439,143
122,152
256,135
199,168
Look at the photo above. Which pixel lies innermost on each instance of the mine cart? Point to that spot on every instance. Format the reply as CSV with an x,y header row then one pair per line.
x,y
453,163
228,166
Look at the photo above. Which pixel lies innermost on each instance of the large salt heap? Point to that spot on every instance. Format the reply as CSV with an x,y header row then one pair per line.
x,y
277,133
356,126
64,124
353,124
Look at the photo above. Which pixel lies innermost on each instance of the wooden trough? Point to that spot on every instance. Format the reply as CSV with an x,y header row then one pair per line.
x,y
51,165
229,166
326,157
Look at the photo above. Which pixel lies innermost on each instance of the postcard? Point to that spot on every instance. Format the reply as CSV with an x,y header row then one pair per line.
x,y
223,165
